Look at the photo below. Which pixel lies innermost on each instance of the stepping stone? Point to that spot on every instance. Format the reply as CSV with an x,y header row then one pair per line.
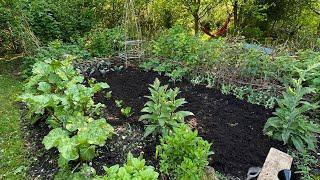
x,y
275,162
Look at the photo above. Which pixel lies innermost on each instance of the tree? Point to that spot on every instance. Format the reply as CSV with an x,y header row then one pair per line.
x,y
199,9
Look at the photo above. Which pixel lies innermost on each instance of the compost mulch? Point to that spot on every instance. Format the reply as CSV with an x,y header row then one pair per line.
x,y
233,127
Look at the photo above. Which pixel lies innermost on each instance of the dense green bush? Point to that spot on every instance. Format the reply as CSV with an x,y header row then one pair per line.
x,y
16,35
44,21
161,110
105,42
55,50
183,155
62,19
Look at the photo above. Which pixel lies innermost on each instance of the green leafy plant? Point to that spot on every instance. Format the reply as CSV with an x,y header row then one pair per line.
x,y
55,87
304,162
150,64
108,95
127,111
135,168
183,155
119,103
226,88
290,125
210,80
103,42
78,139
83,173
161,110
177,74
55,93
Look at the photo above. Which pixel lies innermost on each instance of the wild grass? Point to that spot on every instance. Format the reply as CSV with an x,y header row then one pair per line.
x,y
13,159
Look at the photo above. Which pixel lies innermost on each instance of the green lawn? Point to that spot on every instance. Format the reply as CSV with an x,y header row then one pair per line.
x,y
13,161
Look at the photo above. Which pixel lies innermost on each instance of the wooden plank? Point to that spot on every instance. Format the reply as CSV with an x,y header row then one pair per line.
x,y
275,162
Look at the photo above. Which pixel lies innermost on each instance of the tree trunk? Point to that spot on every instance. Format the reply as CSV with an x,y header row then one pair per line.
x,y
318,30
196,24
235,15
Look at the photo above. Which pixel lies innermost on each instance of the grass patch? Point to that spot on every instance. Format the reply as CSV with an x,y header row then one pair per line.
x,y
13,159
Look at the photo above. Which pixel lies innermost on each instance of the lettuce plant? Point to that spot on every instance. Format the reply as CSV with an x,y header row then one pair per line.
x,y
183,155
161,113
135,169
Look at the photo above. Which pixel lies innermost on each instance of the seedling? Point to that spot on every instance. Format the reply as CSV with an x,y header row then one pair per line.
x,y
119,103
127,111
108,95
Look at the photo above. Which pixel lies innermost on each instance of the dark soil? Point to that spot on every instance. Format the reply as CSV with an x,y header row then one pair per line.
x,y
234,127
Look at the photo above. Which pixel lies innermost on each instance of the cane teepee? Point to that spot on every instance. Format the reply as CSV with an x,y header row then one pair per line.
x,y
133,39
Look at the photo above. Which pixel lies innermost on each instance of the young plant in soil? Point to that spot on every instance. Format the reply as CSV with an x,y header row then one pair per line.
x,y
135,168
290,125
127,111
108,95
161,113
119,103
183,155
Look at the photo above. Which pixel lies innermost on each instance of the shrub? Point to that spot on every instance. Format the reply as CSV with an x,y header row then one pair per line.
x,y
178,45
183,155
106,42
161,110
55,50
135,168
290,125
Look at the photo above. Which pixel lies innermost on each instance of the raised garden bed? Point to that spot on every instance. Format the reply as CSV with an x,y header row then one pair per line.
x,y
234,127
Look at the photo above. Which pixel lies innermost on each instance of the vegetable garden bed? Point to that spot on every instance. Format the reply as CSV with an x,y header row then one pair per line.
x,y
234,127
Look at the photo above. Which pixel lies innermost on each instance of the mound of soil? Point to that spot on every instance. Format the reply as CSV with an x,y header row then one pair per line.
x,y
234,127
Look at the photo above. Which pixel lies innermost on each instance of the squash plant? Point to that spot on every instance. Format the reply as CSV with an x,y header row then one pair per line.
x,y
161,113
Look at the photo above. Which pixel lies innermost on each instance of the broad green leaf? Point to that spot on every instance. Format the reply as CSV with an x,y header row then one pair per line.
x,y
54,137
298,143
87,153
96,132
44,87
68,149
149,130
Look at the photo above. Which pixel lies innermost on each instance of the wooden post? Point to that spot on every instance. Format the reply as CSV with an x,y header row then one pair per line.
x,y
275,162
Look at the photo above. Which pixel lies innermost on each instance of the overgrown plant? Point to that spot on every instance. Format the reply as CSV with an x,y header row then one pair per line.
x,y
183,155
161,113
290,123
